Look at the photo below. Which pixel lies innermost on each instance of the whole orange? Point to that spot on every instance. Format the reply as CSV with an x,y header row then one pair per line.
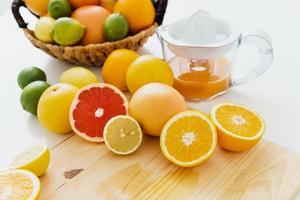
x,y
139,13
80,3
115,67
39,7
93,18
154,104
108,4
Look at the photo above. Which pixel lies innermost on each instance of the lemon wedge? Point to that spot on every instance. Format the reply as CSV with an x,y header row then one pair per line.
x,y
35,159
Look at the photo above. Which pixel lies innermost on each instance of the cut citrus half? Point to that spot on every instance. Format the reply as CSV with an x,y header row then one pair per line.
x,y
19,184
93,107
35,159
123,135
188,138
239,128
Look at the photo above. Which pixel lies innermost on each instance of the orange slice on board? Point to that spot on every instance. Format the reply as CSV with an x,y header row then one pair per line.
x,y
239,128
188,138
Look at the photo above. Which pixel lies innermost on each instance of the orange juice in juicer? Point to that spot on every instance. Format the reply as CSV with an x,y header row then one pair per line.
x,y
202,49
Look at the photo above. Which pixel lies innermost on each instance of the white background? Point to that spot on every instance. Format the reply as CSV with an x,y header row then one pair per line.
x,y
275,95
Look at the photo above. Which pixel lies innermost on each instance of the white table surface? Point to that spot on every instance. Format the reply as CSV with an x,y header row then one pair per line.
x,y
275,95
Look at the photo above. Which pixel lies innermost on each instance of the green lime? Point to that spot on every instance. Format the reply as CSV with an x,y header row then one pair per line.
x,y
67,31
29,75
31,95
115,27
59,8
43,29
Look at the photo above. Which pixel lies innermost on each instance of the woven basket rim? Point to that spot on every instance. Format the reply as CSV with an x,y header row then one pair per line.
x,y
29,33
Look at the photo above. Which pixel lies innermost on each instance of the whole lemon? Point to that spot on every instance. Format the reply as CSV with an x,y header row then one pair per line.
x,y
148,69
43,29
139,13
78,77
54,106
115,67
154,104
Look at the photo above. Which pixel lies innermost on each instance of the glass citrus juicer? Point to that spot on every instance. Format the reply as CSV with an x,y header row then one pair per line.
x,y
202,50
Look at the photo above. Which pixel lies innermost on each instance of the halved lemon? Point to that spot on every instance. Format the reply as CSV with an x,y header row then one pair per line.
x,y
35,159
188,138
122,135
239,128
19,184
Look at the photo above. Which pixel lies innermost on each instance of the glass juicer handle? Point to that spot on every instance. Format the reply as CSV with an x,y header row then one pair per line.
x,y
262,41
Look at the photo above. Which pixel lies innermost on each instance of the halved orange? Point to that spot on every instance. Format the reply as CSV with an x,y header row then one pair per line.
x,y
188,138
239,128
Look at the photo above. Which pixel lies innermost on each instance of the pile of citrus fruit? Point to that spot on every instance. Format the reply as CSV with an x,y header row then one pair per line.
x,y
84,22
101,112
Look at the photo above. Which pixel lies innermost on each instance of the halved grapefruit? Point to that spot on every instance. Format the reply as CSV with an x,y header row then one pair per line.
x,y
93,106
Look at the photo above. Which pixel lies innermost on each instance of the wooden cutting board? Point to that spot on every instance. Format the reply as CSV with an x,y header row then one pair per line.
x,y
87,171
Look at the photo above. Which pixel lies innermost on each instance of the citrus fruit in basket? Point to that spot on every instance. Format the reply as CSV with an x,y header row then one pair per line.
x,y
67,31
122,135
19,184
115,27
59,8
78,76
30,74
93,18
54,107
35,159
80,3
31,95
115,67
108,4
239,128
148,69
188,139
93,107
39,7
43,29
154,104
139,13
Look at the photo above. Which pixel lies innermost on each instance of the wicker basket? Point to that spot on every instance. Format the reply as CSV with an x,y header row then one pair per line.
x,y
93,54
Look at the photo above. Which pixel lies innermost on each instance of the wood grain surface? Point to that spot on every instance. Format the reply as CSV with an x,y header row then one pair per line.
x,y
87,171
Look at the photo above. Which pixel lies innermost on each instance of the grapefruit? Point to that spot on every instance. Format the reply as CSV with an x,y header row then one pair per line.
x,y
154,104
93,18
93,106
148,69
54,105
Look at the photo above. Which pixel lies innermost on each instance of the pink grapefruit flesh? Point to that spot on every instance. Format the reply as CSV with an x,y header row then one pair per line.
x,y
93,107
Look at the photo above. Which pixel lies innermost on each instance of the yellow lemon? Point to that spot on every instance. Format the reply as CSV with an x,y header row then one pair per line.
x,y
239,128
148,69
35,159
54,106
19,184
115,67
78,77
188,138
122,135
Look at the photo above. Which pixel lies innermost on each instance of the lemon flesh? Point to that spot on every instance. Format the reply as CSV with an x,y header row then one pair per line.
x,y
35,159
122,135
19,185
